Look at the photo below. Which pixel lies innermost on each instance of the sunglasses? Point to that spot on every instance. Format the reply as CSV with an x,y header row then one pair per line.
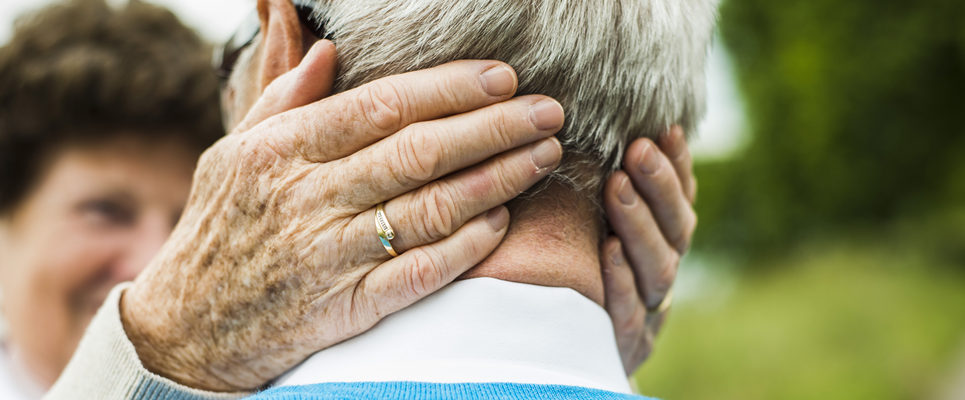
x,y
226,56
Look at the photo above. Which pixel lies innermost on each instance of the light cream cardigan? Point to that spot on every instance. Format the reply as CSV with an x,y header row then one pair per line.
x,y
106,367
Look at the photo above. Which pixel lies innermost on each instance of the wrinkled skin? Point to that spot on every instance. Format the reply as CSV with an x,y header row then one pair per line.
x,y
275,257
650,206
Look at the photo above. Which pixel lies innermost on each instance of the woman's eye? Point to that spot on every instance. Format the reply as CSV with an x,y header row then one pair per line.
x,y
108,212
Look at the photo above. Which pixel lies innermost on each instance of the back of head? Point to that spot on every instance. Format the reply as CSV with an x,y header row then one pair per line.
x,y
622,69
80,71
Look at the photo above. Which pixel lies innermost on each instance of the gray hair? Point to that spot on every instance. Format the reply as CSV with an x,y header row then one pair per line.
x,y
622,69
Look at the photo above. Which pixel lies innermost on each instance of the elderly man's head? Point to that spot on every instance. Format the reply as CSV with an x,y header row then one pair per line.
x,y
622,69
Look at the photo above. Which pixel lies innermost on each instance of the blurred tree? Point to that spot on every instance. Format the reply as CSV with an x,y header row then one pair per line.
x,y
857,111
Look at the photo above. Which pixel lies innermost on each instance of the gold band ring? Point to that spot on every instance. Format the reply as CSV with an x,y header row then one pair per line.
x,y
386,234
664,305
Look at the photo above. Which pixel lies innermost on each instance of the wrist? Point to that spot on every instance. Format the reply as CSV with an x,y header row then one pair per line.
x,y
161,350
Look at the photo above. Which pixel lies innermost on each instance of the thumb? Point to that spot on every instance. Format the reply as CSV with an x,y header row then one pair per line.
x,y
311,81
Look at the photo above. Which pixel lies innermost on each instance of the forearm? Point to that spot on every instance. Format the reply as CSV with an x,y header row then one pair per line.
x,y
106,366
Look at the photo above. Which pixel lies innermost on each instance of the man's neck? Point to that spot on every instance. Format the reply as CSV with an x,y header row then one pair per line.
x,y
535,323
480,331
553,240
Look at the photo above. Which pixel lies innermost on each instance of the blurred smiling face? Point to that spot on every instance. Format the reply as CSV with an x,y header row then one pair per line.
x,y
94,217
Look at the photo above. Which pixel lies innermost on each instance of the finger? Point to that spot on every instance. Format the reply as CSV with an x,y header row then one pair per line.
x,y
403,280
624,306
654,261
440,208
427,151
655,322
345,123
656,181
674,145
311,81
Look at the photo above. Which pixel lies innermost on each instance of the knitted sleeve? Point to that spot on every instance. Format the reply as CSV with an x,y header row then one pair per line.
x,y
106,366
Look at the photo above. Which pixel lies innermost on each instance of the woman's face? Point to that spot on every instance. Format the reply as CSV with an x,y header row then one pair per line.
x,y
94,218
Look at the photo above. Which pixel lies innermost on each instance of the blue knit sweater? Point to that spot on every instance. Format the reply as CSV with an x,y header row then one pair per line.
x,y
433,391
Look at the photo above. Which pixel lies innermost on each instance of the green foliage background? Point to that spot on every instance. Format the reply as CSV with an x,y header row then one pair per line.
x,y
857,114
842,223
845,320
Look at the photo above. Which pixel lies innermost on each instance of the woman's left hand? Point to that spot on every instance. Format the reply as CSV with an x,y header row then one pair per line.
x,y
650,208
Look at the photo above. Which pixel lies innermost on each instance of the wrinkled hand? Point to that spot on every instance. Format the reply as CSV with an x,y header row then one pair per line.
x,y
276,255
650,208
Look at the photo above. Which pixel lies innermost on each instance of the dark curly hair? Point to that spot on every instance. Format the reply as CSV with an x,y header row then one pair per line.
x,y
82,72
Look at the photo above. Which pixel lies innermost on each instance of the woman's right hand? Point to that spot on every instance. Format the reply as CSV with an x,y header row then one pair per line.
x,y
277,256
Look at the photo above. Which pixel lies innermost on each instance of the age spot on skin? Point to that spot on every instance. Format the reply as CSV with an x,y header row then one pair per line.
x,y
210,255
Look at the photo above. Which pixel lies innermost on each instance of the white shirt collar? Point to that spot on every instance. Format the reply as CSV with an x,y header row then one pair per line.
x,y
478,331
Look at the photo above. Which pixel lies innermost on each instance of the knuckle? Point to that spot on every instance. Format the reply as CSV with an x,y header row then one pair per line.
x,y
477,250
499,122
635,325
502,180
262,158
691,225
624,291
673,259
688,227
668,273
381,104
679,155
424,274
418,157
448,92
439,219
268,151
246,155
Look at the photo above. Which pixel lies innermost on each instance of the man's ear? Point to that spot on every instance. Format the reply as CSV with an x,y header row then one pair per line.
x,y
284,40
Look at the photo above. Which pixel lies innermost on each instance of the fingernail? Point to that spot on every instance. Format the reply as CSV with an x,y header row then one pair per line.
x,y
547,114
626,193
649,162
498,218
616,257
547,153
498,81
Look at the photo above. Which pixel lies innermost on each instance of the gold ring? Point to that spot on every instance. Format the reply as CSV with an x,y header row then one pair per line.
x,y
386,234
664,305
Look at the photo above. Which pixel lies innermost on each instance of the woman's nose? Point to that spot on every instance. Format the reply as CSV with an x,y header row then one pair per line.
x,y
151,233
